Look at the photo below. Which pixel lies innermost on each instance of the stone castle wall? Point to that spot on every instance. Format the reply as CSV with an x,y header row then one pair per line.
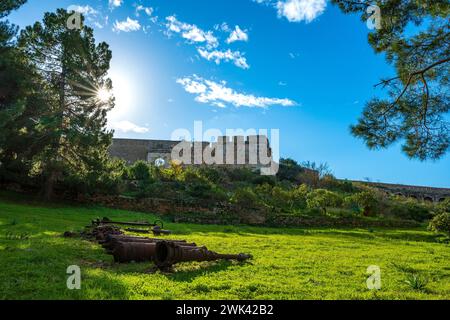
x,y
244,151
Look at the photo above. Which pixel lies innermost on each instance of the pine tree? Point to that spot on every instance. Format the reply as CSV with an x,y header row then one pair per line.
x,y
74,68
19,101
414,35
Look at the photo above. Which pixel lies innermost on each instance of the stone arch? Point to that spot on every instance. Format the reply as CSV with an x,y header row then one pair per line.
x,y
428,199
442,199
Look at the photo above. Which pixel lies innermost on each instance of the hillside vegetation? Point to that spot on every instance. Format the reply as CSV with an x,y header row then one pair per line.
x,y
288,263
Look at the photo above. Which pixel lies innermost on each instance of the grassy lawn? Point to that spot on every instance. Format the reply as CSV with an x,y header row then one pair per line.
x,y
287,264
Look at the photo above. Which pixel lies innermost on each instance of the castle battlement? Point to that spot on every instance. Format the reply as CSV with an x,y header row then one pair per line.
x,y
253,151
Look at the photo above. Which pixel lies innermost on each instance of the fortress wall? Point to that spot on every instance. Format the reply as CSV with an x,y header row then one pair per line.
x,y
132,150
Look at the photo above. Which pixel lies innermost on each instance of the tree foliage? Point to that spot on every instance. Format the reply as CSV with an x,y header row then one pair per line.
x,y
20,101
52,119
415,38
74,69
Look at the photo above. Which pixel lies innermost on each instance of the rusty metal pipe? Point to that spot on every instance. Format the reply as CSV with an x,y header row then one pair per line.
x,y
114,241
168,254
132,251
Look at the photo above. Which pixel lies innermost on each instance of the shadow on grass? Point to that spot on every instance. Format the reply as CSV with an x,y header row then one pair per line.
x,y
181,275
416,236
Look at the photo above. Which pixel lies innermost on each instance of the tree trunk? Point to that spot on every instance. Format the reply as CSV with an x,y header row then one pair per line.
x,y
53,174
50,185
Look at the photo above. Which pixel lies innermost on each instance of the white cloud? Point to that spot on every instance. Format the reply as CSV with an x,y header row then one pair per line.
x,y
127,25
217,56
127,126
115,3
301,10
237,35
191,32
85,10
207,43
297,10
218,94
148,10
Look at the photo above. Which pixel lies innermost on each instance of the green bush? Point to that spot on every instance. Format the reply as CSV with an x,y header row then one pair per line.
x,y
240,174
410,209
329,182
108,180
140,170
321,199
299,196
340,213
289,170
367,201
260,180
212,174
443,206
441,223
244,198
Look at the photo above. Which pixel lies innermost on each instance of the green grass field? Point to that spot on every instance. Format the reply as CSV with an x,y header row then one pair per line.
x,y
288,263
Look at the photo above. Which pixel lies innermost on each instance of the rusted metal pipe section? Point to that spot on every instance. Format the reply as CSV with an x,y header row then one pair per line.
x,y
164,253
110,243
133,251
168,253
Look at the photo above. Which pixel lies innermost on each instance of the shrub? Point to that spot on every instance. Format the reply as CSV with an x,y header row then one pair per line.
x,y
282,199
331,183
410,209
240,174
340,213
321,199
443,206
441,223
289,170
212,174
244,198
299,196
367,201
260,180
140,171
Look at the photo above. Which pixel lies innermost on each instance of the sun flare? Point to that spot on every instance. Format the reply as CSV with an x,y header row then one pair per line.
x,y
103,95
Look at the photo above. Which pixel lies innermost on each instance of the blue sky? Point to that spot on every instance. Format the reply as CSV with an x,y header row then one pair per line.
x,y
301,67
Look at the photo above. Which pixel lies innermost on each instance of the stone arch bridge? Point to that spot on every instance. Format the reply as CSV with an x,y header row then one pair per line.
x,y
420,193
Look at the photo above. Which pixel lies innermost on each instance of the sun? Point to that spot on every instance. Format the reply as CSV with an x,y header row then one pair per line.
x,y
103,95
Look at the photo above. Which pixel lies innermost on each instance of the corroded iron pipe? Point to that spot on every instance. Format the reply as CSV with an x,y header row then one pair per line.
x,y
168,254
133,251
112,242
